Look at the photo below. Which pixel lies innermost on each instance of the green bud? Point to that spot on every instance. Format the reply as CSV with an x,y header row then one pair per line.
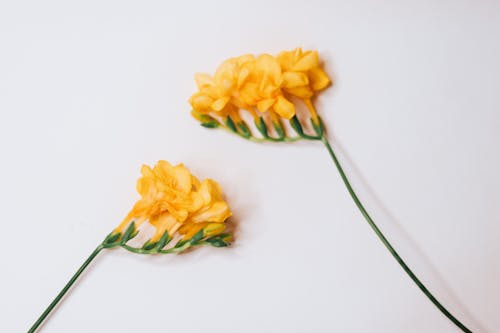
x,y
149,245
197,237
261,126
210,124
205,120
111,238
219,240
182,244
318,126
163,241
135,233
127,235
279,129
230,124
294,122
244,130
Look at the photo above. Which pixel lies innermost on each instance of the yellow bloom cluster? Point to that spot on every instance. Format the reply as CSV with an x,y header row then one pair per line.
x,y
263,83
175,201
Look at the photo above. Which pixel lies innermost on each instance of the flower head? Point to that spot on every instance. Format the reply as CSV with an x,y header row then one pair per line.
x,y
265,86
175,203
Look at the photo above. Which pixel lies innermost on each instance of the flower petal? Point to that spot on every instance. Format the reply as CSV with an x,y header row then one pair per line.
x,y
294,79
268,67
265,104
219,104
162,223
203,80
200,102
319,79
217,212
301,92
284,107
308,61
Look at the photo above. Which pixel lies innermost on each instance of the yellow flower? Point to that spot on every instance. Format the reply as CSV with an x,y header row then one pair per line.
x,y
215,92
261,87
175,201
302,75
264,84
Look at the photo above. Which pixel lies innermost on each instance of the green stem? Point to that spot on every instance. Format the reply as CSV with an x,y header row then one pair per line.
x,y
65,289
387,244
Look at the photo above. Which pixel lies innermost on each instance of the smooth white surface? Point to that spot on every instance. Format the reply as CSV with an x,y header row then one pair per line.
x,y
90,90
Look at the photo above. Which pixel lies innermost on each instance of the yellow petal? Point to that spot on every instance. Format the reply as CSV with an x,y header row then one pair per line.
x,y
242,76
210,191
177,177
319,79
219,104
217,212
200,102
285,60
249,93
284,107
238,103
179,214
301,92
226,74
267,65
308,61
190,229
146,171
265,104
294,79
246,58
203,80
146,187
162,223
213,229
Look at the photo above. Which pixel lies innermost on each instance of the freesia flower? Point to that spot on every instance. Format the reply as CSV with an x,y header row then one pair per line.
x,y
271,89
261,85
184,211
302,75
171,198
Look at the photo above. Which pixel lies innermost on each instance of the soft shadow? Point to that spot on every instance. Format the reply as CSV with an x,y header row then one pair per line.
x,y
354,172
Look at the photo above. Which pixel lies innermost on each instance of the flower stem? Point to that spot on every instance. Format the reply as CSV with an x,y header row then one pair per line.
x,y
65,289
386,243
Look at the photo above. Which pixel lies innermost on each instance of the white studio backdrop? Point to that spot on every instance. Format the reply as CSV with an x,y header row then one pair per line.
x,y
90,90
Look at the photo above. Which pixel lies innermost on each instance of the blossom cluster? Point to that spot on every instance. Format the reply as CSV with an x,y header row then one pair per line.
x,y
260,84
176,202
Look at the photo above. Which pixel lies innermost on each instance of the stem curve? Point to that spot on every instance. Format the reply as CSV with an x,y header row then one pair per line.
x,y
386,243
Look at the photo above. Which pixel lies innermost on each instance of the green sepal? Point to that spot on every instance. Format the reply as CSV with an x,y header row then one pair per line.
x,y
244,130
261,126
294,122
218,241
230,124
180,246
210,124
318,126
135,233
197,237
127,235
163,241
111,238
149,245
181,243
279,129
205,120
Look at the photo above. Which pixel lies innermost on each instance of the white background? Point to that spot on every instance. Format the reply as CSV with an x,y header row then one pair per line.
x,y
90,90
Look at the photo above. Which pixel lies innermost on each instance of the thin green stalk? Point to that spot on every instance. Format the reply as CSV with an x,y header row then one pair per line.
x,y
65,289
387,244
